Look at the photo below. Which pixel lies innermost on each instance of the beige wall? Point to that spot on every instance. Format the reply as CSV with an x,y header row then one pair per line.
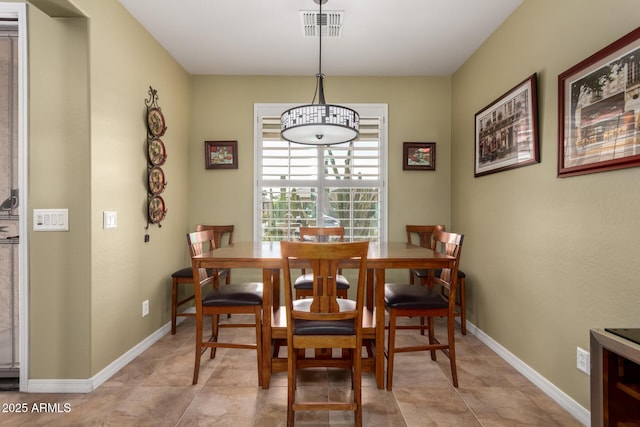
x,y
547,258
59,163
419,110
89,81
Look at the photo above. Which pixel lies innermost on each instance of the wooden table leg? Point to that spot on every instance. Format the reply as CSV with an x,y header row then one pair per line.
x,y
270,300
379,294
369,290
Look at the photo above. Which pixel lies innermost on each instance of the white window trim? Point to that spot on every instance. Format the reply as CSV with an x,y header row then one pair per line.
x,y
276,109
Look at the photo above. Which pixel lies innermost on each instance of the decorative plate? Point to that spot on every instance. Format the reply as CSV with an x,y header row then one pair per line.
x,y
156,180
157,152
155,121
157,209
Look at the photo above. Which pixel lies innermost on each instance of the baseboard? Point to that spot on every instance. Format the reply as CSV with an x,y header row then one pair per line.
x,y
90,384
579,412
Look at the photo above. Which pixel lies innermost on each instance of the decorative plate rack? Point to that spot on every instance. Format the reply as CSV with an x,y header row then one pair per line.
x,y
156,157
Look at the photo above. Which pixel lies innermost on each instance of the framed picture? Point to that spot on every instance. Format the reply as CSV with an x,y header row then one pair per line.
x,y
221,154
599,110
419,156
506,131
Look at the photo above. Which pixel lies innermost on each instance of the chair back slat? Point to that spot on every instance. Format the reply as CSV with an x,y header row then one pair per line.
x,y
422,235
322,234
324,260
200,242
449,244
222,234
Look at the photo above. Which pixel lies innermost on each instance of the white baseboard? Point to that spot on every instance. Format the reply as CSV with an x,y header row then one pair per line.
x,y
90,384
579,412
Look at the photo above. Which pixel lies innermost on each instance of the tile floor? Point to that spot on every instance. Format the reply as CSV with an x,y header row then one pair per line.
x,y
155,390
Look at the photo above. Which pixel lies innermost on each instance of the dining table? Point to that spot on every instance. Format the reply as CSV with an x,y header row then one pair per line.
x,y
267,257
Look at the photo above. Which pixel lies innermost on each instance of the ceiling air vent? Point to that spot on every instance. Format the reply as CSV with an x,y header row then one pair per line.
x,y
331,23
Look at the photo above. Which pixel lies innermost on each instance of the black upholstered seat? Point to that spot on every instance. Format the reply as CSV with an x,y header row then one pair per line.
x,y
320,327
413,297
305,281
240,294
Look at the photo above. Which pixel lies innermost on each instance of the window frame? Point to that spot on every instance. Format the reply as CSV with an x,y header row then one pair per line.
x,y
364,110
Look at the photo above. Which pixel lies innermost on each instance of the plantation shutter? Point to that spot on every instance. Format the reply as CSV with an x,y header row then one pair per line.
x,y
320,186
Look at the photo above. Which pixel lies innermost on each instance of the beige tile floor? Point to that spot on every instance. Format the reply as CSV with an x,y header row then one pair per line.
x,y
155,390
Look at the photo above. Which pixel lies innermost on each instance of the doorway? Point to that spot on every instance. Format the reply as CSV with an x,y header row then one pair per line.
x,y
13,186
9,202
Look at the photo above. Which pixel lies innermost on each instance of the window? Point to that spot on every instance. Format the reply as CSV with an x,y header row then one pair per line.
x,y
342,184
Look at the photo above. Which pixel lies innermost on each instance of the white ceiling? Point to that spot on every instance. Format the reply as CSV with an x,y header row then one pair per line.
x,y
380,37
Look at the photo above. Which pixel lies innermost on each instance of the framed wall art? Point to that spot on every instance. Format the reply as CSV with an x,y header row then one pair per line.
x,y
506,131
599,110
221,154
419,156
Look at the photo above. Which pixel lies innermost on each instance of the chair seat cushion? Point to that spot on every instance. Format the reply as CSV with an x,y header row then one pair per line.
x,y
320,327
187,272
305,281
183,273
424,273
413,297
235,294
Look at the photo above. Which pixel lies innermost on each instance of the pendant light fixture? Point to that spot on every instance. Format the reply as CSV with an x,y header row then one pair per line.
x,y
321,123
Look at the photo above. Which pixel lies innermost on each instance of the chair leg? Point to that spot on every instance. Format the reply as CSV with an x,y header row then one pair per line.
x,y
391,348
463,307
196,367
432,336
452,349
357,386
291,384
214,332
174,304
258,316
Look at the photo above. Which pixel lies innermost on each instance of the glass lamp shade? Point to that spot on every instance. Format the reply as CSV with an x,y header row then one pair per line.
x,y
319,124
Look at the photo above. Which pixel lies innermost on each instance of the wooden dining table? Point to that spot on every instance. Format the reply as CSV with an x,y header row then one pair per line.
x,y
266,256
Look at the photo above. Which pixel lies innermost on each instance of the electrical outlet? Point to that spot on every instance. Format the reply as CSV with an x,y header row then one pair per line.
x,y
582,360
145,308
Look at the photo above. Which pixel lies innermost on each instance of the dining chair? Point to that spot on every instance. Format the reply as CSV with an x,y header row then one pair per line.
x,y
324,320
406,300
425,239
245,298
223,234
304,283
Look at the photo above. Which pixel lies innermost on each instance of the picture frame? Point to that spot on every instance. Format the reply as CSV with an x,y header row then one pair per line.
x,y
221,154
419,156
506,131
599,110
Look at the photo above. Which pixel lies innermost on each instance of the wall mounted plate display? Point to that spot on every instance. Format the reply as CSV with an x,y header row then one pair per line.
x,y
156,157
157,152
155,121
157,209
156,180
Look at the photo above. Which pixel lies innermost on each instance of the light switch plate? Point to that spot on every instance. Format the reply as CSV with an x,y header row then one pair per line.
x,y
51,220
109,220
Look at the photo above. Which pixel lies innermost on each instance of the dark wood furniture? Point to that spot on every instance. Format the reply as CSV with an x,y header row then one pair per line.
x,y
243,298
266,256
304,283
323,320
222,234
615,380
406,300
425,238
